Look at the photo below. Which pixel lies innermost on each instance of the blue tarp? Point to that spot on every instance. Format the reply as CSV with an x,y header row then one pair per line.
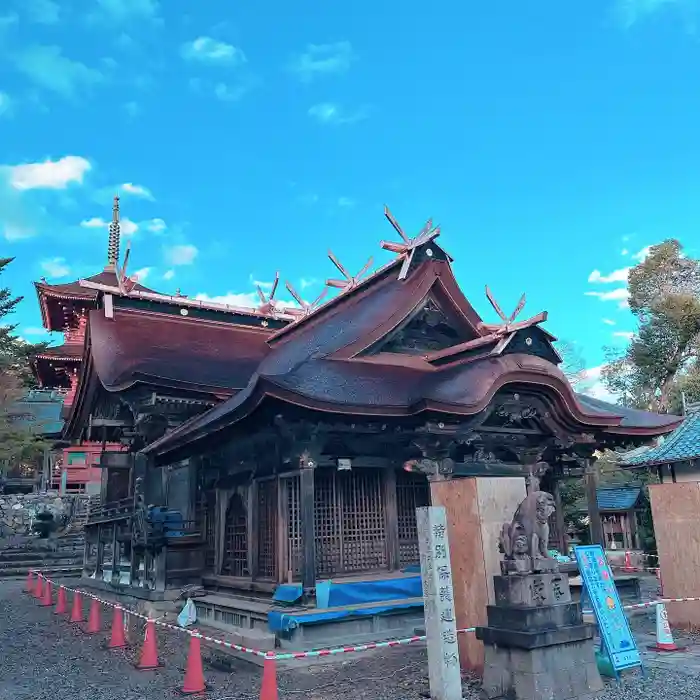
x,y
280,621
331,595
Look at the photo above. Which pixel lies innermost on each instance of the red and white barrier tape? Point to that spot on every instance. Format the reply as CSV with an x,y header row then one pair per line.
x,y
285,656
255,652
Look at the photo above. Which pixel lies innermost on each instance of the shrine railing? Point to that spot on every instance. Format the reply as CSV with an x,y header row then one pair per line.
x,y
113,510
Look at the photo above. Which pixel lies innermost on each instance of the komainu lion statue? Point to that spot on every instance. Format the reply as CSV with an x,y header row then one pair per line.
x,y
524,541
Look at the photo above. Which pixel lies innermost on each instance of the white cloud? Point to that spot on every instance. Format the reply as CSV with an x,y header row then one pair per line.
x,y
249,300
624,251
49,175
127,226
615,276
132,109
42,11
592,385
346,202
613,295
155,225
642,255
624,334
180,255
331,113
17,232
231,93
55,267
208,50
6,103
142,274
136,190
49,69
322,60
168,274
306,282
609,322
632,11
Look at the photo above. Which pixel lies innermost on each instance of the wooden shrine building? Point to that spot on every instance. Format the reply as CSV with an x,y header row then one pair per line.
x,y
64,309
297,491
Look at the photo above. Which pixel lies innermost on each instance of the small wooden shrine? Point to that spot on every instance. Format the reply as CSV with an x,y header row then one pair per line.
x,y
279,457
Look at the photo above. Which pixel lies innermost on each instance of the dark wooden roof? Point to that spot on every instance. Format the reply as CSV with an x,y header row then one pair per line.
x,y
52,297
344,358
174,353
66,352
154,348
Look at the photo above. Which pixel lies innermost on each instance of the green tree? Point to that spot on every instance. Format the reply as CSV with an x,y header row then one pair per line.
x,y
17,442
662,356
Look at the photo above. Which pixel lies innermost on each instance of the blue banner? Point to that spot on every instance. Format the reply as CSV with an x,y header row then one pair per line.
x,y
614,629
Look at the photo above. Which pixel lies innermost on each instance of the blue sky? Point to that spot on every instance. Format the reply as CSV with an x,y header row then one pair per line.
x,y
553,141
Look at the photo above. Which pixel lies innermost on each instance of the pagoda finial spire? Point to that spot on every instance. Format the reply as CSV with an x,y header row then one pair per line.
x,y
114,235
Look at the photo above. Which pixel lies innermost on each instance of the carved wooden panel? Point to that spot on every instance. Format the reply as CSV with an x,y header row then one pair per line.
x,y
412,491
427,330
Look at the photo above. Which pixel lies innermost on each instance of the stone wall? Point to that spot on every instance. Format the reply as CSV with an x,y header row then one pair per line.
x,y
18,511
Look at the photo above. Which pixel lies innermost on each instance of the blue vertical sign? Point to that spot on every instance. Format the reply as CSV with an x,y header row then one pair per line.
x,y
599,584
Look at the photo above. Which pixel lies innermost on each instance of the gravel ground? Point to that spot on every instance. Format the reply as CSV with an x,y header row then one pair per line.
x,y
43,658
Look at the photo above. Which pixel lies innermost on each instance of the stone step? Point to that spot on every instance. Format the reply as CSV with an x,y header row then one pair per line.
x,y
48,571
223,657
40,563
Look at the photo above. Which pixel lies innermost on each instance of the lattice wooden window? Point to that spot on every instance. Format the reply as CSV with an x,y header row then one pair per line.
x,y
235,561
349,522
327,523
364,523
294,541
205,517
412,491
267,529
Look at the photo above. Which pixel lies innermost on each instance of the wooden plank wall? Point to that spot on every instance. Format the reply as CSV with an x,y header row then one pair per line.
x,y
476,510
676,512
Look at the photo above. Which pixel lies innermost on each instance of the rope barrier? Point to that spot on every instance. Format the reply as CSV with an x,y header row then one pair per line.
x,y
286,656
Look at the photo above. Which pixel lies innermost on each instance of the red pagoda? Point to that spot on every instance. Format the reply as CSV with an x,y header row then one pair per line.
x,y
64,309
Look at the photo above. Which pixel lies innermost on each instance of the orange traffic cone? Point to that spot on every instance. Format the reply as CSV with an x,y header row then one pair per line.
x,y
149,650
268,690
29,588
628,562
194,674
61,605
117,639
76,613
39,588
47,598
93,623
664,636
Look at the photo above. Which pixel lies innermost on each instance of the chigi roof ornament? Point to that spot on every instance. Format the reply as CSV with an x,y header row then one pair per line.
x,y
306,308
509,322
408,246
350,281
267,302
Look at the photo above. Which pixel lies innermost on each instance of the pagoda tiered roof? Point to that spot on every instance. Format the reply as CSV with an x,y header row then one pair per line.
x,y
406,341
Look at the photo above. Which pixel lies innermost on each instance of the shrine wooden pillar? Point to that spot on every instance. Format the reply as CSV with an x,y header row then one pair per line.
x,y
476,510
595,524
307,465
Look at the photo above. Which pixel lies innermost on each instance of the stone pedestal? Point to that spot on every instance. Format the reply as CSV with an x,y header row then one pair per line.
x,y
537,646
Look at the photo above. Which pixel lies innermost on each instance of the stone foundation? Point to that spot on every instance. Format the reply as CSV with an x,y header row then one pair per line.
x,y
536,644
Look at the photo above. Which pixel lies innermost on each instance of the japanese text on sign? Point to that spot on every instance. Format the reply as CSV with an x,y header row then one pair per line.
x,y
599,584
